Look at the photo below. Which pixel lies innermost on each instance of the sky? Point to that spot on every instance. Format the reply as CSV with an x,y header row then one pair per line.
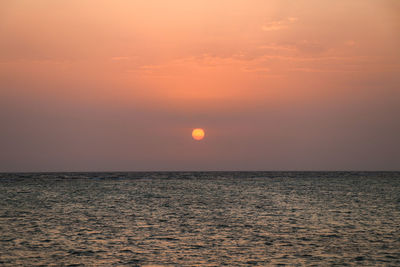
x,y
94,85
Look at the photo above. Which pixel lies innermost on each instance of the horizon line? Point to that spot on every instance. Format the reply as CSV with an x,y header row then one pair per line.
x,y
139,171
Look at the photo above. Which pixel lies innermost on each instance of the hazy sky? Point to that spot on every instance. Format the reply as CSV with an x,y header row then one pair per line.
x,y
276,85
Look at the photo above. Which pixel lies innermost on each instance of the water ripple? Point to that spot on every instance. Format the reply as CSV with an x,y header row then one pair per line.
x,y
206,218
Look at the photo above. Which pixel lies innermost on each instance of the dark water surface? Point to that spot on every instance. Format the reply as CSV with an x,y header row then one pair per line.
x,y
201,218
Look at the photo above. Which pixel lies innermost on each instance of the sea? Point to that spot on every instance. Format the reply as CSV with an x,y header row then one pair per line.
x,y
200,219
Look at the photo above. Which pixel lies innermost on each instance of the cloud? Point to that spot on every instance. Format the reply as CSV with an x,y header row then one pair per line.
x,y
119,58
256,70
203,64
311,47
274,46
320,70
275,25
351,43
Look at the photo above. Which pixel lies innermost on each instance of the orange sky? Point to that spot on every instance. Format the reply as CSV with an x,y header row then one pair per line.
x,y
119,85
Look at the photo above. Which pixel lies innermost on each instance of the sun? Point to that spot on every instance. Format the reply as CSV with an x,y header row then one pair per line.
x,y
198,134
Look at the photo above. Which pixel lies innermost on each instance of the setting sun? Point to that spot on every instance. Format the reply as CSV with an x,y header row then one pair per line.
x,y
198,134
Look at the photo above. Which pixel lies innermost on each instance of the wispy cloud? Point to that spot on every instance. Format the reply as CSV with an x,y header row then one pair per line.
x,y
275,25
279,47
321,70
259,70
119,58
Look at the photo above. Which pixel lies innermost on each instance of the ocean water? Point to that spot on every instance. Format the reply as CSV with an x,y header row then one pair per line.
x,y
200,219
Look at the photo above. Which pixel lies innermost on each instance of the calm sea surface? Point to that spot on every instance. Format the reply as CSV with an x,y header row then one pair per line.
x,y
200,218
